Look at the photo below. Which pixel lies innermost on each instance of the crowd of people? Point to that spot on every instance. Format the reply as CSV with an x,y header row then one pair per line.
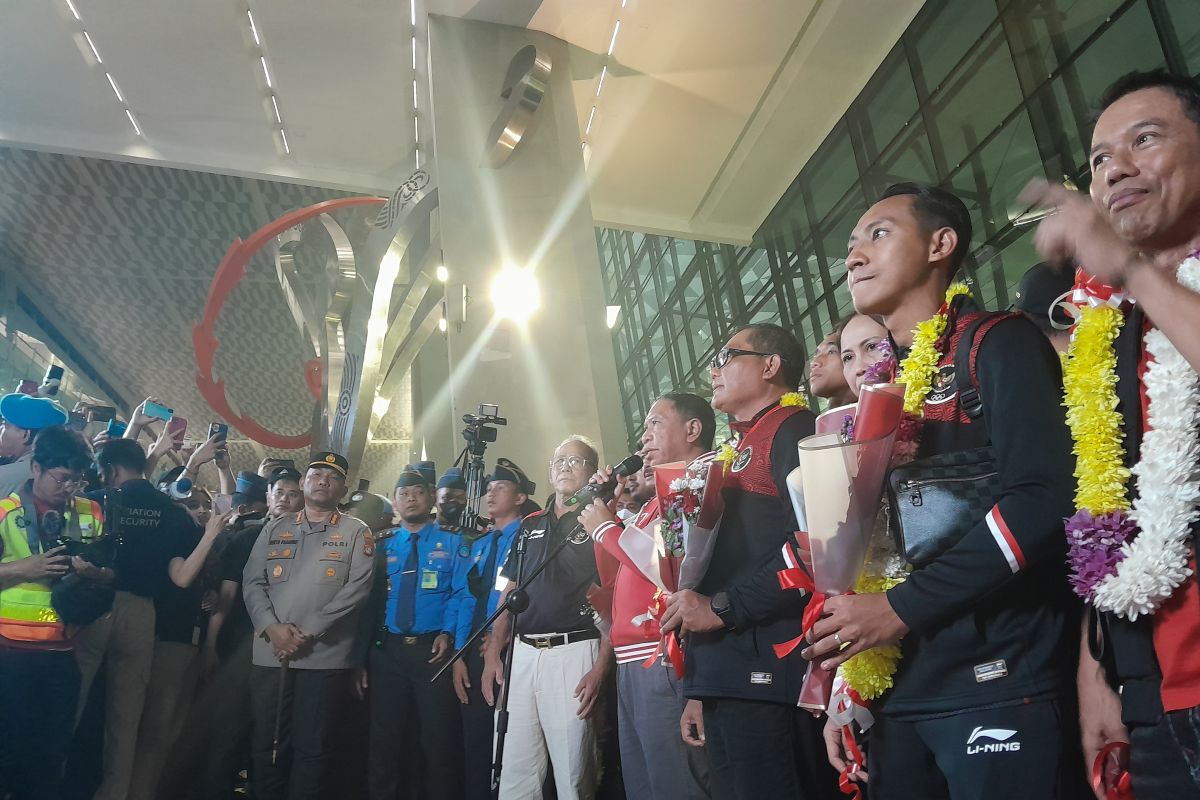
x,y
279,635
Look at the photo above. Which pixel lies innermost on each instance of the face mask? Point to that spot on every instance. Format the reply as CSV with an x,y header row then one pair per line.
x,y
624,514
451,512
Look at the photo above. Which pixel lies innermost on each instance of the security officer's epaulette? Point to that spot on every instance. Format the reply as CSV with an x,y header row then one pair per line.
x,y
384,535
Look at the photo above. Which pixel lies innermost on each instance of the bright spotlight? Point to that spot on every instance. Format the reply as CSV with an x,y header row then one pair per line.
x,y
443,274
515,293
442,324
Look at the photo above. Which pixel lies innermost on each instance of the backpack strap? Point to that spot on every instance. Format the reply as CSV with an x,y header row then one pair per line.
x,y
964,362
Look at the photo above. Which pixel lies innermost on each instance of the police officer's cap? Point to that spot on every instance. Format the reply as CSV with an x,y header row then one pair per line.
x,y
31,413
508,471
453,479
333,461
284,474
249,488
410,477
427,469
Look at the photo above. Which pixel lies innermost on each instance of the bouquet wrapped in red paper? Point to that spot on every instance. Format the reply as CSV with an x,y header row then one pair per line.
x,y
674,549
835,493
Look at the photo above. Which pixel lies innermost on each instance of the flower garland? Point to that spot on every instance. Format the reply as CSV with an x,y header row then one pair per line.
x,y
1114,565
917,370
794,399
870,673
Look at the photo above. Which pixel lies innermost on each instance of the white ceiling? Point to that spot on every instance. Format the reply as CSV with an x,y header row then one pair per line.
x,y
709,110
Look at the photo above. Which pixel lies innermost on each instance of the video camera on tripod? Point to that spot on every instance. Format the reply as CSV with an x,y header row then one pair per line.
x,y
480,431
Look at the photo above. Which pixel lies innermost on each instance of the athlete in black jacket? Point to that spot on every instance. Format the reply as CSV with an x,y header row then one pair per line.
x,y
759,744
985,627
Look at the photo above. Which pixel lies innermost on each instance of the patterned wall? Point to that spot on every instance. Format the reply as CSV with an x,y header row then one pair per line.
x,y
122,255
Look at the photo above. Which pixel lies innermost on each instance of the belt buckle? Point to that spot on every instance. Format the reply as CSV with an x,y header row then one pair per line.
x,y
410,639
543,643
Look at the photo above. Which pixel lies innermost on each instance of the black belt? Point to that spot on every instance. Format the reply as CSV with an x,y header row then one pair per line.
x,y
549,640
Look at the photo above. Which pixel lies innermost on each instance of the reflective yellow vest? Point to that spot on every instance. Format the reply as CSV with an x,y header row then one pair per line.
x,y
25,611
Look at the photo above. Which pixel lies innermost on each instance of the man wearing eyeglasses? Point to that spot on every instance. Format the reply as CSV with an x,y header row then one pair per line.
x,y
742,697
39,682
560,658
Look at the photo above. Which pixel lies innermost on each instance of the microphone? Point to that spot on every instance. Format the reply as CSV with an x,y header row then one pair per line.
x,y
595,490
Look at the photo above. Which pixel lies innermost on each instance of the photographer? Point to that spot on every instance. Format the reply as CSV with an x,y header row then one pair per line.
x,y
39,681
158,539
23,416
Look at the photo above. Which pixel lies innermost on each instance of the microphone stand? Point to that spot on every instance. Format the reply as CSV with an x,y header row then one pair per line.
x,y
515,604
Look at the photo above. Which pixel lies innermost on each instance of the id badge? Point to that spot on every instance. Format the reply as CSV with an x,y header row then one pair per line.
x,y
429,579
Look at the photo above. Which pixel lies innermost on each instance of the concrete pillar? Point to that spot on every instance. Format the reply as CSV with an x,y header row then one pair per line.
x,y
557,376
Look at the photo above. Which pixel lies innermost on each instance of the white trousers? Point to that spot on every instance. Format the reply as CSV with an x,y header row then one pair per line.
x,y
543,723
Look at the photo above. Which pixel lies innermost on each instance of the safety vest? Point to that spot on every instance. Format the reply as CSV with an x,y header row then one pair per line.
x,y
26,614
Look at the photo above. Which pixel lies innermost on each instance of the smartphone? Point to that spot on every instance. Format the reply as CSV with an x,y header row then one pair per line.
x,y
218,429
115,429
50,383
156,411
76,421
176,428
101,414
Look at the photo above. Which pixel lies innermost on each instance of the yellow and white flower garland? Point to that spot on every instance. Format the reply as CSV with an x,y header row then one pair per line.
x,y
1136,578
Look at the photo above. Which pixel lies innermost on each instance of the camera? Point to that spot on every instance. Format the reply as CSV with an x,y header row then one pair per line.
x,y
480,425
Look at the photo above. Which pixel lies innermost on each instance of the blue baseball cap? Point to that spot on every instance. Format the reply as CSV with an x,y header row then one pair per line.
x,y
31,413
452,479
426,469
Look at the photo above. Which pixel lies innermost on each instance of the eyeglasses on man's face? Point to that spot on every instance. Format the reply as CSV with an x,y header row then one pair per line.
x,y
70,482
569,462
727,354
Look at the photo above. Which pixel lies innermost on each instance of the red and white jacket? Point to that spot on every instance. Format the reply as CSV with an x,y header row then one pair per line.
x,y
635,632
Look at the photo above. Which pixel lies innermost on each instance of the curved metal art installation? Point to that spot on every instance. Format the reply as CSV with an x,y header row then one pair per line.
x,y
357,334
525,86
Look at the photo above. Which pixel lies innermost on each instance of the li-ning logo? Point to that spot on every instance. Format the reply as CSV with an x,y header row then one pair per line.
x,y
1000,745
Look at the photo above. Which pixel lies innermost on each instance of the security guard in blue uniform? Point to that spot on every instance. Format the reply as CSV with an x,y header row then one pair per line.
x,y
415,734
452,501
508,490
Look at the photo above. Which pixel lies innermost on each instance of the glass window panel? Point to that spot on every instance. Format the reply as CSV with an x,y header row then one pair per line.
x,y
990,180
1185,21
955,28
649,299
1073,20
766,310
978,98
831,171
837,235
888,102
755,273
908,158
1131,43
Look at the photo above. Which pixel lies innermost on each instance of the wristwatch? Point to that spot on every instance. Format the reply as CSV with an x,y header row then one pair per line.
x,y
720,606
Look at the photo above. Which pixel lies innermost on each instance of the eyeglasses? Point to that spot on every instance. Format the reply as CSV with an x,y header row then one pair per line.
x,y
727,354
569,462
67,483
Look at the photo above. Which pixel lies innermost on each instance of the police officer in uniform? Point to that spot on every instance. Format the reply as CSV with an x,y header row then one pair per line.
x,y
451,500
419,614
305,585
508,490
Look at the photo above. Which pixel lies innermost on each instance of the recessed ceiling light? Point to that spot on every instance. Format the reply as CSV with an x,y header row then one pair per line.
x,y
113,84
286,147
613,42
603,75
74,13
591,118
275,105
263,60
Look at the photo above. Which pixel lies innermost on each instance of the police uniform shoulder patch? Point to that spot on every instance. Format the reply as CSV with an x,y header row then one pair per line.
x,y
368,544
463,551
742,459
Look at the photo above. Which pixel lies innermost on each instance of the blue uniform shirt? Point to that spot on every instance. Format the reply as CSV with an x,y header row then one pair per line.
x,y
438,554
480,553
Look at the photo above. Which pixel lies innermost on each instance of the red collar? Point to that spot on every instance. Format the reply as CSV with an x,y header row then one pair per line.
x,y
742,429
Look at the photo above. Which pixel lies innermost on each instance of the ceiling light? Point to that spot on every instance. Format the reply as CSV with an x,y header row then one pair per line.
x,y
133,122
275,105
286,147
92,45
412,12
75,13
613,312
414,95
443,274
113,84
613,42
416,131
414,52
263,60
515,294
591,118
603,75
253,28
442,324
